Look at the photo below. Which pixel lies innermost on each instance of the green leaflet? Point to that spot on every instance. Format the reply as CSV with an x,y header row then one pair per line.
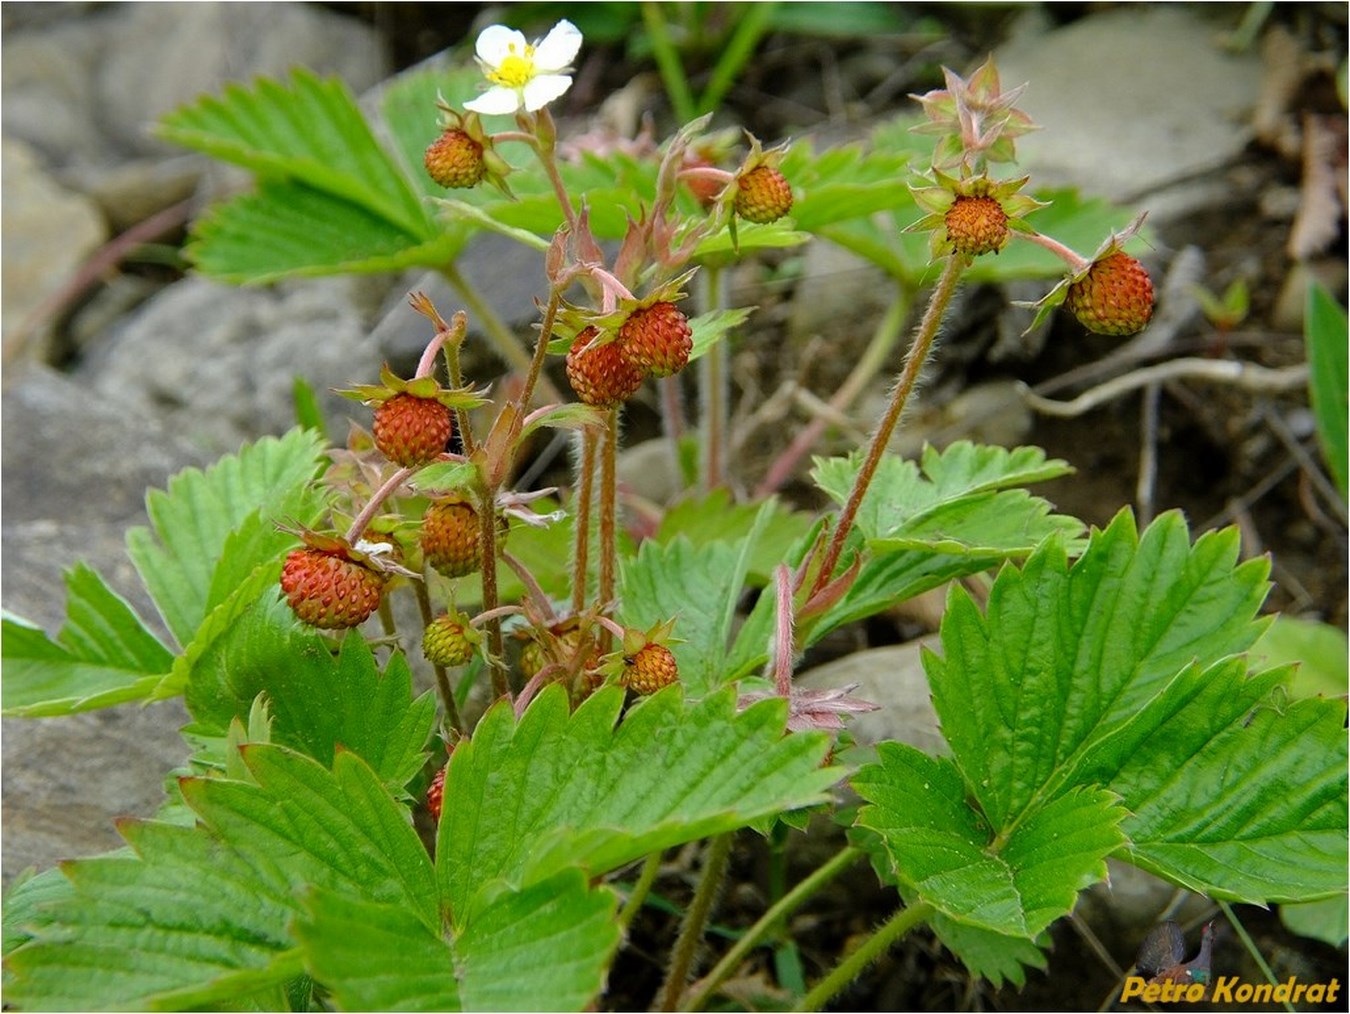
x,y
1325,334
318,703
524,800
192,522
104,654
925,526
545,947
1015,880
308,130
699,587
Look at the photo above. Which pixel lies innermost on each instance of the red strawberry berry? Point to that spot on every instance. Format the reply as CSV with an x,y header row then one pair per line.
x,y
1115,297
649,669
600,375
763,195
656,339
435,791
451,539
449,640
977,225
410,431
327,589
455,160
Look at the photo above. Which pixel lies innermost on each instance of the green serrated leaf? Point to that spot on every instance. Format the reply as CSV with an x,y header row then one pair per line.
x,y
445,475
709,328
201,915
570,927
336,829
1326,336
1242,804
185,912
524,800
1065,657
956,489
714,518
288,230
317,702
545,946
103,655
308,130
697,585
190,524
26,902
1014,880
997,957
377,956
845,182
1121,672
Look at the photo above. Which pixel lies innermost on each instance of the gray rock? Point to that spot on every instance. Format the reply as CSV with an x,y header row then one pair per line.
x,y
218,363
1131,100
48,233
75,476
85,89
48,87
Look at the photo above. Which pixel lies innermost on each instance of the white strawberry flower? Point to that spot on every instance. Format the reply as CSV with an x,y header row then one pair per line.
x,y
524,74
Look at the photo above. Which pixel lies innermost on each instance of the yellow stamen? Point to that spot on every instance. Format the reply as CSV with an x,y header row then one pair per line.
x,y
515,70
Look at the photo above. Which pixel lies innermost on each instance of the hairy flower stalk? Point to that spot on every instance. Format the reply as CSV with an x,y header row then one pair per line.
x,y
909,376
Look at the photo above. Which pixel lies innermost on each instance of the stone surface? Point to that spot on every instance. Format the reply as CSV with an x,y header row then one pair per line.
x,y
218,363
84,88
48,232
1130,100
75,476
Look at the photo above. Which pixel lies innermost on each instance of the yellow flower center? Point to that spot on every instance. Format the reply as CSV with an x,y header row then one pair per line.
x,y
515,70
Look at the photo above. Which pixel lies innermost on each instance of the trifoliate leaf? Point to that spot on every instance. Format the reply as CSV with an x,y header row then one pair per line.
x,y
190,523
526,799
924,528
1121,673
104,654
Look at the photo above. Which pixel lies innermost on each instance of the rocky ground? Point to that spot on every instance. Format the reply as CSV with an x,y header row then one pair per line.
x,y
118,370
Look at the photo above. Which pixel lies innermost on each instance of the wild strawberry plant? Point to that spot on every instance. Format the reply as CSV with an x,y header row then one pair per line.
x,y
596,701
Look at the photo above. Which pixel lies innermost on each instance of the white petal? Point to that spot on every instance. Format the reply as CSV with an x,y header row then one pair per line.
x,y
559,48
495,43
544,89
496,102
